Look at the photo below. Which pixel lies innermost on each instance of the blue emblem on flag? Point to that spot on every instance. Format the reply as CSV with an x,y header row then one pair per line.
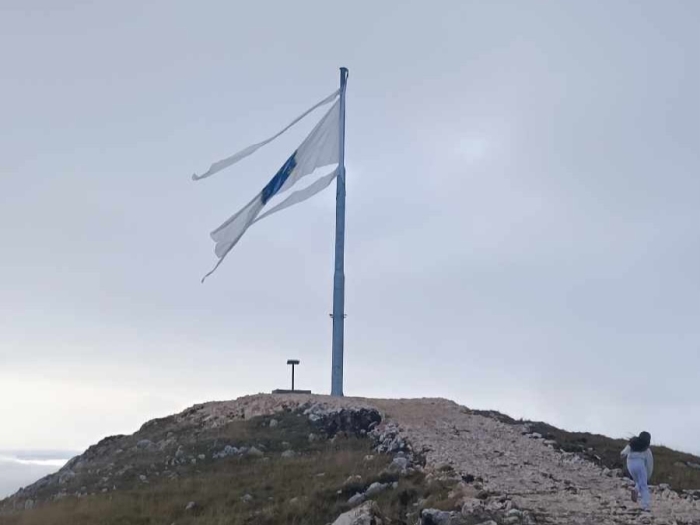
x,y
279,179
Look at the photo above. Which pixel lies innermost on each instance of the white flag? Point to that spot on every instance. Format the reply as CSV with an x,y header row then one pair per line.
x,y
245,152
321,148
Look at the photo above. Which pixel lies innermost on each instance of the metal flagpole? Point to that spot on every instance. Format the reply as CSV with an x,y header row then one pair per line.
x,y
339,276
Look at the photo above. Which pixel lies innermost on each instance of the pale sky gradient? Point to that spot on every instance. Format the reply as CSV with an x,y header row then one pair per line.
x,y
523,228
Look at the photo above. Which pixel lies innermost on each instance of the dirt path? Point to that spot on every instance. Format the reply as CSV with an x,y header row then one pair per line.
x,y
559,488
556,487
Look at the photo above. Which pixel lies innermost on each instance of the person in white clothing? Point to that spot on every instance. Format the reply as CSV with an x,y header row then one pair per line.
x,y
640,464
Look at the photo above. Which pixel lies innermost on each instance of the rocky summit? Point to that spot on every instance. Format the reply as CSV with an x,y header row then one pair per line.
x,y
435,462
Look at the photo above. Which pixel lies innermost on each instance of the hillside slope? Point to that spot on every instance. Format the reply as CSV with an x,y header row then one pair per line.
x,y
292,459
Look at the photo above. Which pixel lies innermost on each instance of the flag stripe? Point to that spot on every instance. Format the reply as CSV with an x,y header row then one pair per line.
x,y
279,179
301,195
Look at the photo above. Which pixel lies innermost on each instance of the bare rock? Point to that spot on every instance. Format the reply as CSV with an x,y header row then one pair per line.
x,y
227,451
366,514
399,465
144,444
439,517
254,452
375,489
356,500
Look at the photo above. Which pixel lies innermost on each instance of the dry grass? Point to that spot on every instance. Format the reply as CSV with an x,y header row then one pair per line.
x,y
306,489
219,493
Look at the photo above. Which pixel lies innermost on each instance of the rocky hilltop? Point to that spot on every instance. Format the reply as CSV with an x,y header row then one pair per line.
x,y
493,470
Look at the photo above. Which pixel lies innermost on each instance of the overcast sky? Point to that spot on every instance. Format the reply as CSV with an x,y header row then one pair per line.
x,y
523,218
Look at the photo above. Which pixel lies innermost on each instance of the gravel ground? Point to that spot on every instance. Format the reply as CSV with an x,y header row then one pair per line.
x,y
557,487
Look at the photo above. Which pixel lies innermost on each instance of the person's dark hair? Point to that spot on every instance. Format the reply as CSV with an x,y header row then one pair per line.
x,y
641,442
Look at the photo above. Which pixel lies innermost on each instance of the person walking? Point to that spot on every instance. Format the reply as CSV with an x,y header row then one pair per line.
x,y
640,464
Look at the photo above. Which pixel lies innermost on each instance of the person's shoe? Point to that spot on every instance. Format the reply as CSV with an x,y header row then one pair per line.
x,y
634,495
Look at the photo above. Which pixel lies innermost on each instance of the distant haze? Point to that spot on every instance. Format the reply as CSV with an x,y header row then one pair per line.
x,y
523,226
22,468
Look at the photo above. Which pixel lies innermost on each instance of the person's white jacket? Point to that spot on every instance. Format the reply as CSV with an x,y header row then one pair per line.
x,y
647,456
